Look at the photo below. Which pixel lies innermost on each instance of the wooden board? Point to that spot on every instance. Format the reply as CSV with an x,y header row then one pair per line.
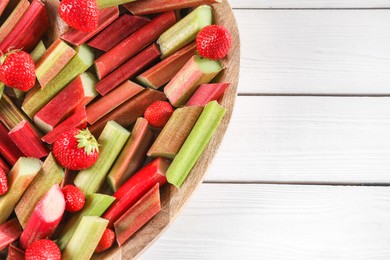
x,y
306,140
173,200
227,221
333,52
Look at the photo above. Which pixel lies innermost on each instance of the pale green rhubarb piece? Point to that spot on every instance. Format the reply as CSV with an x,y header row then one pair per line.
x,y
19,178
50,174
10,114
2,86
111,142
185,31
38,51
109,3
95,205
85,239
77,65
196,142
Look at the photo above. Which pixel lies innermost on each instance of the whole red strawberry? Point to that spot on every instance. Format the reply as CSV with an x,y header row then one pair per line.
x,y
158,113
17,70
43,249
76,149
106,241
80,14
3,182
74,198
214,42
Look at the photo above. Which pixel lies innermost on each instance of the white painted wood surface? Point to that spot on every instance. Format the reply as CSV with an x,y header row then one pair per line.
x,y
340,49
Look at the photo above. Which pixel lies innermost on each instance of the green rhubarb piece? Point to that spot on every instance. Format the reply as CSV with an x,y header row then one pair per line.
x,y
95,205
10,114
50,174
85,239
38,51
185,31
19,178
77,65
109,3
196,142
111,142
2,86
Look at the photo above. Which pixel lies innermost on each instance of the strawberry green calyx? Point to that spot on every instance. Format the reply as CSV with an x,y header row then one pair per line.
x,y
87,141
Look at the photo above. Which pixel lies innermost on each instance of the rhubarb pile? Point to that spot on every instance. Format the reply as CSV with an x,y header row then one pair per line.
x,y
96,119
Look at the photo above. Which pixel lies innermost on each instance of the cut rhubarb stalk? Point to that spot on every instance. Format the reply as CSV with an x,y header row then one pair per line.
x,y
112,100
10,114
185,31
116,32
29,30
76,37
160,74
77,120
8,150
133,189
50,174
206,93
2,87
111,141
19,178
3,4
28,141
53,61
45,218
78,93
133,154
158,6
197,71
15,253
15,94
137,105
13,18
95,205
85,239
175,132
77,65
4,165
133,44
195,144
109,3
138,215
38,51
9,232
129,69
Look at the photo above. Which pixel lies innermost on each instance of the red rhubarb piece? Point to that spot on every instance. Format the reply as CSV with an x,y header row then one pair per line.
x,y
76,37
28,141
132,190
130,46
9,232
29,29
129,69
15,253
116,32
77,120
112,100
13,18
4,165
206,93
3,5
8,149
138,215
45,218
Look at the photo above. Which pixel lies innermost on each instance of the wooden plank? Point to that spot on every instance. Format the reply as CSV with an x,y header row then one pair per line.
x,y
306,139
225,221
309,4
315,51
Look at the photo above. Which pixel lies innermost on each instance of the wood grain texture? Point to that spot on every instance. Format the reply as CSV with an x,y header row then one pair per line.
x,y
306,140
285,222
173,199
309,4
315,51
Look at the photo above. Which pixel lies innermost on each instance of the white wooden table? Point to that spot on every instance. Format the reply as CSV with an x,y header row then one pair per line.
x,y
304,169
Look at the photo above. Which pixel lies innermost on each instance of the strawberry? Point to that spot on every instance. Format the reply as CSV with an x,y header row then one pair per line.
x,y
3,182
106,241
76,149
43,249
158,113
17,70
80,14
74,198
213,42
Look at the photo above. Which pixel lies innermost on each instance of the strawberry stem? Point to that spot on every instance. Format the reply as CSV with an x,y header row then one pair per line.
x,y
87,141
